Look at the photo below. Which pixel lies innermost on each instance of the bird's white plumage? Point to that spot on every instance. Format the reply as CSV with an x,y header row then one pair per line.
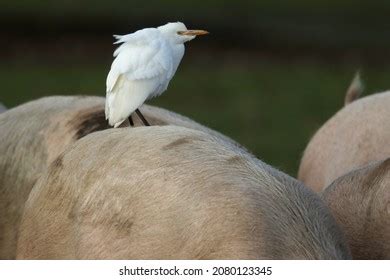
x,y
144,64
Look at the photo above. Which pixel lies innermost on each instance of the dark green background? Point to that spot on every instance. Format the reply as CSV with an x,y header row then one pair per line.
x,y
269,74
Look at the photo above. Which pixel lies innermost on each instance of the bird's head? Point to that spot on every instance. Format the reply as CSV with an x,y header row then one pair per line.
x,y
178,33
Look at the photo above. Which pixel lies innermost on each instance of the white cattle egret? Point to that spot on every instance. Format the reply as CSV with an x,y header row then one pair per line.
x,y
144,64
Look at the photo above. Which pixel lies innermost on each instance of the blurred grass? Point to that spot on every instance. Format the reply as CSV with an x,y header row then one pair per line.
x,y
135,7
289,24
270,106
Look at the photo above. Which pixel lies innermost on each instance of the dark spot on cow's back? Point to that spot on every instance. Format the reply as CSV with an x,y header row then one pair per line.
x,y
58,162
178,142
88,122
55,179
55,168
235,160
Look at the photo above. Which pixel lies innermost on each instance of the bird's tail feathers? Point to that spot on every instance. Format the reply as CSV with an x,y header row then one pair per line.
x,y
129,96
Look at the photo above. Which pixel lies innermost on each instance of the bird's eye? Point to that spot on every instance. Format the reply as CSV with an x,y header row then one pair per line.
x,y
180,32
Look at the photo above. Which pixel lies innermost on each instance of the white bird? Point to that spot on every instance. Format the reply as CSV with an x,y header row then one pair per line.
x,y
144,64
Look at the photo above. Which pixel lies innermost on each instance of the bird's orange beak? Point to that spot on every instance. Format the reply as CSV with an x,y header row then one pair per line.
x,y
193,32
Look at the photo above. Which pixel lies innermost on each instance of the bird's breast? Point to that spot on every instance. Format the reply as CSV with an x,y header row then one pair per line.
x,y
177,55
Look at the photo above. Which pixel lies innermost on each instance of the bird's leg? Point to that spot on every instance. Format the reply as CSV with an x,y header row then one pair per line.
x,y
131,121
142,117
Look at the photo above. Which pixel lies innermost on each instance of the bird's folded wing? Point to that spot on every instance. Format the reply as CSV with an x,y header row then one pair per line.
x,y
150,61
141,57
